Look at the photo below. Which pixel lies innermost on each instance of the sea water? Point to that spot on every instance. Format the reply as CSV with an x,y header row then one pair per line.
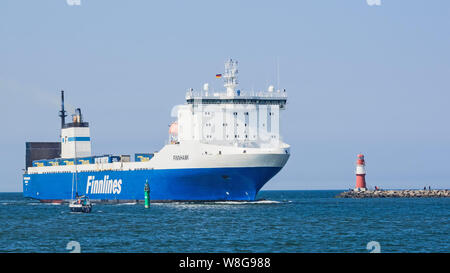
x,y
283,221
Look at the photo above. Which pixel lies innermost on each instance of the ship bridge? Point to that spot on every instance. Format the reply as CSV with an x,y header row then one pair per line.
x,y
257,98
233,117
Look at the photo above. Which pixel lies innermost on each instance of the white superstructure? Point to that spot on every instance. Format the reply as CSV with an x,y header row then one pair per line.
x,y
227,129
231,118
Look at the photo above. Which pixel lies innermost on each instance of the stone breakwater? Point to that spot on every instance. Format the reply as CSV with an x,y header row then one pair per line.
x,y
394,193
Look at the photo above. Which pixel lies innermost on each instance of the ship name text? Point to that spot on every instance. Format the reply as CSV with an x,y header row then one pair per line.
x,y
103,186
181,157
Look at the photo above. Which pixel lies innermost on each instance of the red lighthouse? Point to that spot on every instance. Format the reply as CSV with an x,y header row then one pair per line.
x,y
360,174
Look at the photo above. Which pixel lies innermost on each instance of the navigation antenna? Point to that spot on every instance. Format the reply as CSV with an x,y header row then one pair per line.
x,y
230,76
278,73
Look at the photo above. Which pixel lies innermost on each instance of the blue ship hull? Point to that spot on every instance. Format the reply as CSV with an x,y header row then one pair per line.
x,y
165,185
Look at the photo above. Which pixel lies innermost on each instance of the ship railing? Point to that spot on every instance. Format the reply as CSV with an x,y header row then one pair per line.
x,y
242,94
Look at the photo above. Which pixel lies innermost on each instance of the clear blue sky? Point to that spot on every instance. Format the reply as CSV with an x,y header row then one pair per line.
x,y
361,79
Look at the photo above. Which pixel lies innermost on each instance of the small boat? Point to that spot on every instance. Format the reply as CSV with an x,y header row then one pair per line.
x,y
81,204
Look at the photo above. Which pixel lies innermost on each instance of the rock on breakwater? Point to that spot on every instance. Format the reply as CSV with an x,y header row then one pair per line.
x,y
394,193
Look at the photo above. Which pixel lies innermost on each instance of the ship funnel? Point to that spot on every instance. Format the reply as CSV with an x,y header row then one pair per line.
x,y
79,116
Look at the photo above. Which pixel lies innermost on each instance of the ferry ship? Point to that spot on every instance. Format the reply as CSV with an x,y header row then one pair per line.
x,y
222,145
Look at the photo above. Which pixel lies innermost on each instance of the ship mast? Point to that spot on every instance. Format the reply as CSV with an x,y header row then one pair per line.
x,y
62,113
230,76
75,174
